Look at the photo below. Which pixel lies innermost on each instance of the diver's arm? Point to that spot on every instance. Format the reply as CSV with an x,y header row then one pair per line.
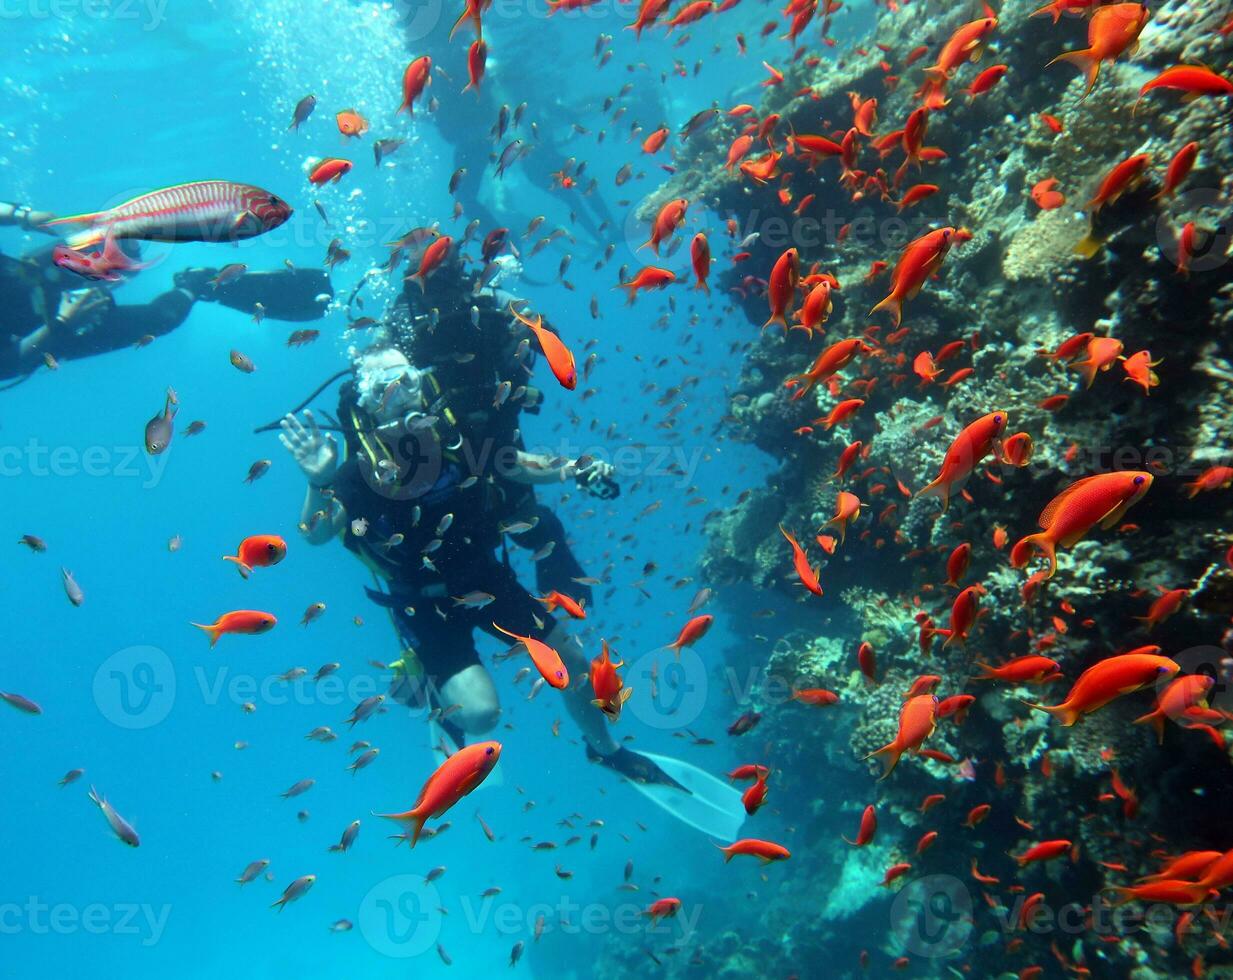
x,y
317,456
24,217
536,468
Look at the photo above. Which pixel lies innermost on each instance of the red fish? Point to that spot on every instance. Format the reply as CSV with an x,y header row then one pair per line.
x,y
700,258
781,287
560,358
1213,478
691,633
663,908
329,169
666,223
764,850
559,600
610,691
415,78
258,551
868,827
1109,679
1102,499
1021,670
800,561
104,265
1179,169
832,360
477,61
649,277
1044,851
1110,32
547,661
920,260
969,449
917,720
457,776
245,621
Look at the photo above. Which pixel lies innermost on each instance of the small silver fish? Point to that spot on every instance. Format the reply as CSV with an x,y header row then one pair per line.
x,y
253,869
474,600
297,889
71,588
367,759
119,826
444,524
303,786
347,839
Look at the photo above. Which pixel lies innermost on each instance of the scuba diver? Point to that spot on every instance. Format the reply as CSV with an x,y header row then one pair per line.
x,y
434,482
50,312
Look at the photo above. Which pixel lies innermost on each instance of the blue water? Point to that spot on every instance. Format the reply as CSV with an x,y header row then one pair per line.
x,y
97,108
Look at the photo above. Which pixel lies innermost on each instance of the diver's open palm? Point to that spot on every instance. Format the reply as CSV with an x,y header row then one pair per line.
x,y
314,452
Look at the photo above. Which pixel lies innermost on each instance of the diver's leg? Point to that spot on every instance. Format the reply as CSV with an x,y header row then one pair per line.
x,y
472,689
590,720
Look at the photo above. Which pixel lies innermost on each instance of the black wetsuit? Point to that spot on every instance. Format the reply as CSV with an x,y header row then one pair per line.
x,y
478,441
31,288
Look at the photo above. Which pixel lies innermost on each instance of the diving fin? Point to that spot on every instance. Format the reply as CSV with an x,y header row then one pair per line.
x,y
707,804
286,294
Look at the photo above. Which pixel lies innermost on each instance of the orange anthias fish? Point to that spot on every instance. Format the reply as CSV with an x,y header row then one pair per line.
x,y
968,451
868,827
415,78
435,254
847,509
690,633
246,621
559,600
1138,368
1213,478
1111,31
1102,499
800,561
547,661
917,720
477,61
560,358
663,908
764,850
666,223
1102,354
832,360
649,277
781,287
1123,177
1046,195
1191,80
610,691
258,551
700,258
1175,702
920,259
457,776
351,123
1110,679
1166,604
1021,670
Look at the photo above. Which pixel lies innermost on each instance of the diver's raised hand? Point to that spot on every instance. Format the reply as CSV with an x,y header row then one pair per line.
x,y
315,453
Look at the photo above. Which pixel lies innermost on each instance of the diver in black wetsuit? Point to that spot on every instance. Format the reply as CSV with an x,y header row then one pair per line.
x,y
435,480
47,311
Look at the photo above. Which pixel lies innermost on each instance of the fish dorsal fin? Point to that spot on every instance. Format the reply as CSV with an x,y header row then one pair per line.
x,y
1049,514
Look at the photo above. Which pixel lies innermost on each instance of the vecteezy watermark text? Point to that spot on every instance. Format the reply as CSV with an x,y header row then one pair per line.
x,y
138,920
150,13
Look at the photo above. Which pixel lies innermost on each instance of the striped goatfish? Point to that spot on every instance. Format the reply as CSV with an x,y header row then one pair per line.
x,y
202,211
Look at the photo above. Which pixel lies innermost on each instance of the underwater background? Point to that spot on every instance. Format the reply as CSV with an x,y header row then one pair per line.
x,y
103,101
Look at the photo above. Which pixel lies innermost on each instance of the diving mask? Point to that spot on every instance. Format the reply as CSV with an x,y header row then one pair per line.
x,y
388,387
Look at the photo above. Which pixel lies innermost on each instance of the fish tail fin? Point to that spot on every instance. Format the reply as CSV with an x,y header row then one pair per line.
x,y
1087,369
727,851
213,631
889,755
85,218
96,798
411,819
1156,720
1085,62
701,284
1192,489
1025,548
1062,712
86,239
989,672
418,280
938,488
776,318
244,569
1088,246
893,304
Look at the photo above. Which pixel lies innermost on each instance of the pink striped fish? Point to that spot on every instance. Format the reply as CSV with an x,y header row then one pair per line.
x,y
202,211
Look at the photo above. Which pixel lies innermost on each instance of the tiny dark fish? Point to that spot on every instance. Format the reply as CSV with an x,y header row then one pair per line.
x,y
35,544
383,148
303,786
71,777
21,703
258,470
303,109
160,429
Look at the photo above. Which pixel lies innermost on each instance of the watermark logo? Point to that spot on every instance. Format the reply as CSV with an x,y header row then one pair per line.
x,y
135,688
400,917
932,916
418,18
669,692
1210,212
